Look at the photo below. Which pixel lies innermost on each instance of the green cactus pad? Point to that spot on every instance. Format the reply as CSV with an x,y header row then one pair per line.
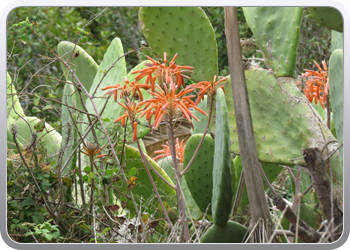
x,y
81,62
222,176
328,17
280,113
143,188
277,32
200,174
232,232
199,178
336,93
337,41
103,78
199,127
183,30
271,171
14,108
167,164
49,138
68,114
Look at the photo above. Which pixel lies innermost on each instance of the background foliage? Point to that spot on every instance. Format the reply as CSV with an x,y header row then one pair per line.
x,y
93,29
102,25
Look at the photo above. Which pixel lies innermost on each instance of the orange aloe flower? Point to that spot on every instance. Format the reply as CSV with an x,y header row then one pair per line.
x,y
167,102
92,150
207,87
128,90
165,74
132,110
317,85
179,147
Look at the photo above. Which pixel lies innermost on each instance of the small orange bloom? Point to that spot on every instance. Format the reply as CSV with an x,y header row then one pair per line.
x,y
132,110
128,90
92,150
179,148
316,87
165,74
207,87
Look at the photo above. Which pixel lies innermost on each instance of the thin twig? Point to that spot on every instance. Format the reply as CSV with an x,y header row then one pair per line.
x,y
153,184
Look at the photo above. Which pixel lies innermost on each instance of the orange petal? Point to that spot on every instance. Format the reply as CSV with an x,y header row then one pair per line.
x,y
135,132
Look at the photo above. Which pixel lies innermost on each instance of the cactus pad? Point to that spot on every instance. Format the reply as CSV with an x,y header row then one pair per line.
x,y
222,176
232,232
106,76
328,17
14,108
271,171
49,138
81,62
337,41
280,113
200,174
277,32
68,114
183,30
336,93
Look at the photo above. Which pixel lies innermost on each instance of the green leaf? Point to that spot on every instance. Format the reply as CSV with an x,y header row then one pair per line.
x,y
40,126
38,218
48,107
47,236
87,169
109,172
56,234
36,110
36,100
106,120
44,185
27,202
133,171
29,233
15,221
10,183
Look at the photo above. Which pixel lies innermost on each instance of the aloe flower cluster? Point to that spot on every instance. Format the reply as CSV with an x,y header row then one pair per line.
x,y
170,96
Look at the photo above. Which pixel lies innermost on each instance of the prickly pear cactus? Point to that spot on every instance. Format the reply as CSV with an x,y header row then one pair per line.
x,y
199,178
142,187
49,138
182,30
232,232
222,176
81,62
200,174
14,108
337,41
106,76
199,127
328,17
271,171
280,112
167,165
336,93
277,32
68,114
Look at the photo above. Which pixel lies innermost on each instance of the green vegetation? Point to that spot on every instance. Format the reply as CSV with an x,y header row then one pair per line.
x,y
99,98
